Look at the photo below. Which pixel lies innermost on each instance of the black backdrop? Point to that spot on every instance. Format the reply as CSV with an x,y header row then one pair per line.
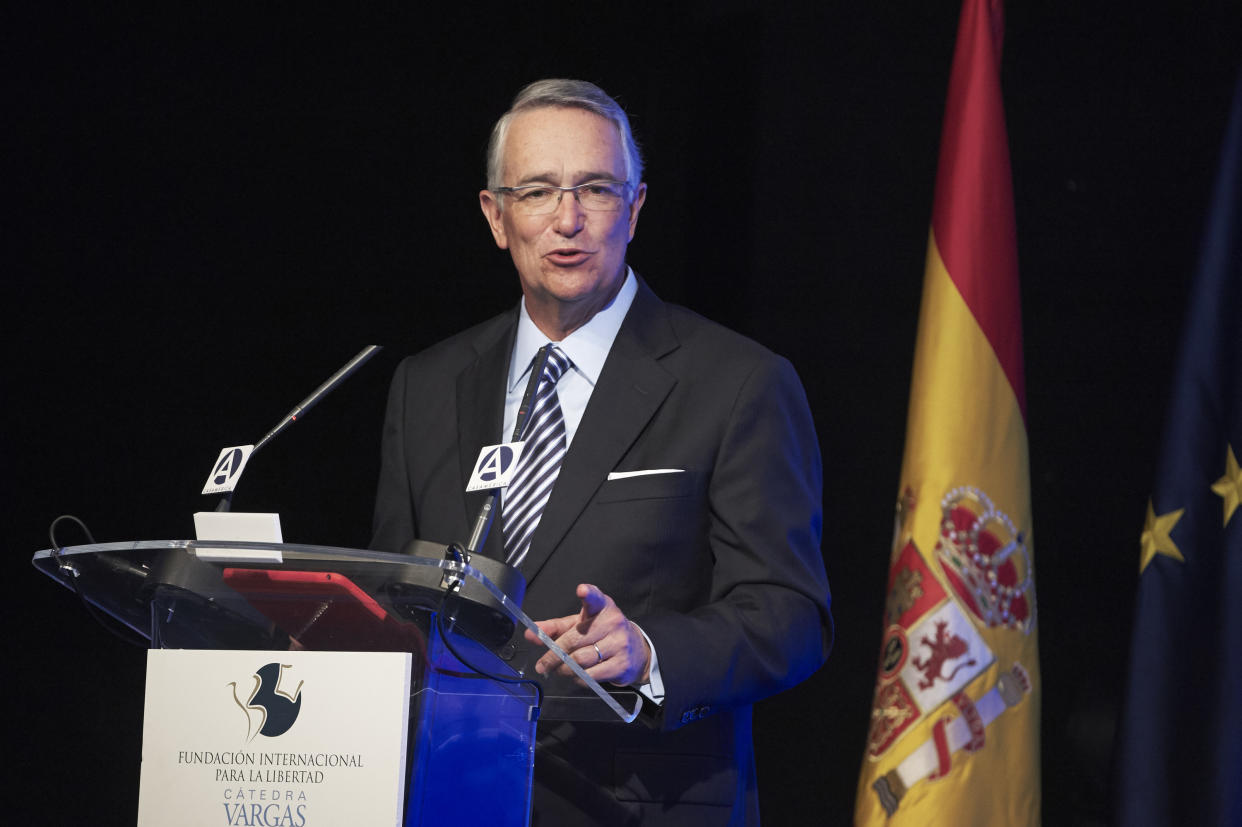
x,y
214,208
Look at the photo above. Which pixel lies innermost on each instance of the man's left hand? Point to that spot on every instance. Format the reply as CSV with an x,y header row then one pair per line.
x,y
600,638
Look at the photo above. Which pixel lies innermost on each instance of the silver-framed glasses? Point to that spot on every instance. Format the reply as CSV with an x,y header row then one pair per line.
x,y
543,199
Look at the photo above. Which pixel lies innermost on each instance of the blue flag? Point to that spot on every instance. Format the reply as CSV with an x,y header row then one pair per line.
x,y
1180,751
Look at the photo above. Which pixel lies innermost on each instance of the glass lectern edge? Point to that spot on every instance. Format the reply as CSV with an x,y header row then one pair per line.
x,y
293,551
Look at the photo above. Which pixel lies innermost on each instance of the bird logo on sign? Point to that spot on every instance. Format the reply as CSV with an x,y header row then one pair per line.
x,y
270,709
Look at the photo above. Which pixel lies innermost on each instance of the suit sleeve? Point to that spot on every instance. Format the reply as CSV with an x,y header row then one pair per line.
x,y
767,625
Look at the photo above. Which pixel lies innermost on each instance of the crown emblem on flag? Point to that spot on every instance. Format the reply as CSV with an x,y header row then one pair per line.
x,y
985,559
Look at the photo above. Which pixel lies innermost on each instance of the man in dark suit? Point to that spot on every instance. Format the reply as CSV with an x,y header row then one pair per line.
x,y
673,543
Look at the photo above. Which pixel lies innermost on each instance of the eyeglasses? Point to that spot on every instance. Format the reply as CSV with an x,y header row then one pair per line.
x,y
543,199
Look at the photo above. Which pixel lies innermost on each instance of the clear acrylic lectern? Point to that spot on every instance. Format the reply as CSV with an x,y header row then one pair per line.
x,y
475,696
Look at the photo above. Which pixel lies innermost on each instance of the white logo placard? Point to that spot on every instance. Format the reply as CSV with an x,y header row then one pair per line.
x,y
274,738
228,469
495,466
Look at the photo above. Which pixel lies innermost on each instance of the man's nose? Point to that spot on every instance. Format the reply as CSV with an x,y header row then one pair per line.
x,y
569,216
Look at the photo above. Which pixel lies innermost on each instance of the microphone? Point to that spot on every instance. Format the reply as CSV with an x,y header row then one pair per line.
x,y
319,393
228,468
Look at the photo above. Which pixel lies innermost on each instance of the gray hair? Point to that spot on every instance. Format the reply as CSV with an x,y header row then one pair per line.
x,y
575,94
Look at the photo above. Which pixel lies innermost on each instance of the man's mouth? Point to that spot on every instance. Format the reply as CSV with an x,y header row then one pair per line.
x,y
567,256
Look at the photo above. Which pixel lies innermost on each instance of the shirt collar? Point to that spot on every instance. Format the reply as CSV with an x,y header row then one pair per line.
x,y
587,347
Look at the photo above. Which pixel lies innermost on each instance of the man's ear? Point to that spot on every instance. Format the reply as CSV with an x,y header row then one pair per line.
x,y
490,204
640,197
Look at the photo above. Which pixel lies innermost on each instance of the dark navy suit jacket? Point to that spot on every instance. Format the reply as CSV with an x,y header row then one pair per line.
x,y
720,564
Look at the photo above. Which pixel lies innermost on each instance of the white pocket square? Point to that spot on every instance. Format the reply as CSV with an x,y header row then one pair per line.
x,y
620,475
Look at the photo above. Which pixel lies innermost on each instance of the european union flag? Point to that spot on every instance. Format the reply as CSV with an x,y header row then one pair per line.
x,y
1180,758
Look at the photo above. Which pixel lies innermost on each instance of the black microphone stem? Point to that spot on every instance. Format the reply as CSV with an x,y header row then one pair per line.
x,y
319,393
306,404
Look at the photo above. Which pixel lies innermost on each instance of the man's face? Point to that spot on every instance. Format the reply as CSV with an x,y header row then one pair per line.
x,y
571,262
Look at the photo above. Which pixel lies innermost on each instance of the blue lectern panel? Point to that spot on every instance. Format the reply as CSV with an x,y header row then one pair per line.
x,y
473,747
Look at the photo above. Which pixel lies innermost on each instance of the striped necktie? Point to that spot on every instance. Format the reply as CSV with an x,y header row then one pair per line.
x,y
528,492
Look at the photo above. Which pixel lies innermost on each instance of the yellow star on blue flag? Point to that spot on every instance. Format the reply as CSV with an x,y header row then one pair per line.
x,y
1156,537
1229,487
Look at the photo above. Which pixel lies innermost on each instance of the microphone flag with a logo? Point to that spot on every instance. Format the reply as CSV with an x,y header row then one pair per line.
x,y
954,734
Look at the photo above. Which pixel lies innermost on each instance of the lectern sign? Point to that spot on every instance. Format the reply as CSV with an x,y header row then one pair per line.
x,y
274,739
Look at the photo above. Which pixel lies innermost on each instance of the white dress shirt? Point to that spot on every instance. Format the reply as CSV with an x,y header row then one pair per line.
x,y
587,347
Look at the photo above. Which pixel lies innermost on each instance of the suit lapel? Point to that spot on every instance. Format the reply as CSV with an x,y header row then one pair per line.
x,y
631,388
480,417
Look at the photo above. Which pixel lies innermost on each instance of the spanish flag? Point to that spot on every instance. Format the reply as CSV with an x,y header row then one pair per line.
x,y
954,737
